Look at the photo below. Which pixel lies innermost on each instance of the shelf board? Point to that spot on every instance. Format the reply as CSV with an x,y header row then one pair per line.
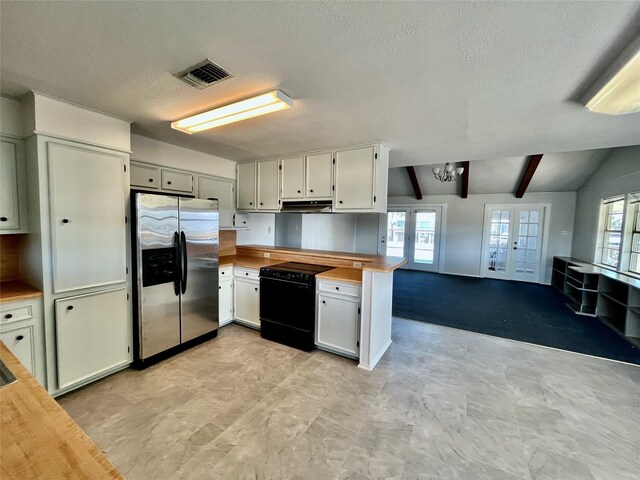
x,y
577,309
634,309
613,299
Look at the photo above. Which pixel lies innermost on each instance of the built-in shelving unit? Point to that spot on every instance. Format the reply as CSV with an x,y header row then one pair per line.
x,y
594,291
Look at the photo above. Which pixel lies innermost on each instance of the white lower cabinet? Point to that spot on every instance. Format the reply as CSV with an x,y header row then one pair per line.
x,y
92,335
246,304
225,295
21,330
338,318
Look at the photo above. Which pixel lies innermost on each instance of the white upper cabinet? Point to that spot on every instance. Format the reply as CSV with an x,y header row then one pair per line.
x,y
144,176
177,181
361,176
355,179
319,175
12,190
268,186
209,187
246,186
293,178
86,188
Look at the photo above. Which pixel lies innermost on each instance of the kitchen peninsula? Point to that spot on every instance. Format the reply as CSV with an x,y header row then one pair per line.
x,y
372,274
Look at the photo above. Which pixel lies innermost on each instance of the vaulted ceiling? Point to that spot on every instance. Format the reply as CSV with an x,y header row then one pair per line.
x,y
436,81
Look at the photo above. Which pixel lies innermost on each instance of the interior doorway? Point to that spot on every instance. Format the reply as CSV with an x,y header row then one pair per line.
x,y
513,242
414,233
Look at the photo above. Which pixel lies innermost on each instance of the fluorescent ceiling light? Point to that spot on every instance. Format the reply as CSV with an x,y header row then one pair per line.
x,y
234,112
621,94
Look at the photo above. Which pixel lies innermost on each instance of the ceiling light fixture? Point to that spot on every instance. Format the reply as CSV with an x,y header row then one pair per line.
x,y
447,173
621,94
234,112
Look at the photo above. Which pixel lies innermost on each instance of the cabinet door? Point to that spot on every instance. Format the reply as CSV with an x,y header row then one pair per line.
x,y
144,176
319,175
222,190
9,214
246,186
86,189
177,181
20,342
292,177
247,301
338,324
91,335
355,179
225,301
268,185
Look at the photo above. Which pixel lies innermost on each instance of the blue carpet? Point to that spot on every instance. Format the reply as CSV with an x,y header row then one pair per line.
x,y
516,310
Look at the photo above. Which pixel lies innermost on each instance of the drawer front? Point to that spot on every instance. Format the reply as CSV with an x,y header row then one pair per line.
x,y
339,288
20,342
180,182
225,272
144,176
15,314
250,273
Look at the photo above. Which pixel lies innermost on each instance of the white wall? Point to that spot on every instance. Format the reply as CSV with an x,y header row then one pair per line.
x,y
463,226
618,174
161,153
261,230
11,116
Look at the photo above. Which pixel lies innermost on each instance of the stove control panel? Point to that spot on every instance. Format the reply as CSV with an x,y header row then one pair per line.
x,y
296,277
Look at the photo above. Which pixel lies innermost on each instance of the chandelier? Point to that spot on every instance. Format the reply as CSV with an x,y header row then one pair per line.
x,y
447,173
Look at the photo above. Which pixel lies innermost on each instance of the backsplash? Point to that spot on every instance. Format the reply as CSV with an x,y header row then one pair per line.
x,y
10,247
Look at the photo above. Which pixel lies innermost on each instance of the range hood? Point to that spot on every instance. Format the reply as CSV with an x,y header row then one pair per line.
x,y
306,206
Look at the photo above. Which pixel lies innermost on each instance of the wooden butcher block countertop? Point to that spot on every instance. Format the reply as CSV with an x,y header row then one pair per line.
x,y
348,275
15,290
38,439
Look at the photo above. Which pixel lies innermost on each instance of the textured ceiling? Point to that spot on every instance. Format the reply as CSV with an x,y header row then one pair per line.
x,y
557,172
435,81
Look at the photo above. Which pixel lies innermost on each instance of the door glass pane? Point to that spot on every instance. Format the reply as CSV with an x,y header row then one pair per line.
x,y
425,237
396,224
498,240
527,245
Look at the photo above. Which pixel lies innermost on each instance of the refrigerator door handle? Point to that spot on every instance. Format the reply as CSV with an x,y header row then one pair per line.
x,y
178,264
183,241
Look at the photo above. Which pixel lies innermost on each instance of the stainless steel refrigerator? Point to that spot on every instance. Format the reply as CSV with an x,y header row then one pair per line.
x,y
176,255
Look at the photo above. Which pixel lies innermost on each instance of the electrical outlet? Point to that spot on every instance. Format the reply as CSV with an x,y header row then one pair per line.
x,y
267,255
563,233
357,264
268,229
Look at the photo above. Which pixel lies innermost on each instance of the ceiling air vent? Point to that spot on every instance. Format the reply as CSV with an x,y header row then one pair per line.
x,y
203,74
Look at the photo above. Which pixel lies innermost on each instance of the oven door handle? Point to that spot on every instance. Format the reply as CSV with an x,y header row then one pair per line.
x,y
305,285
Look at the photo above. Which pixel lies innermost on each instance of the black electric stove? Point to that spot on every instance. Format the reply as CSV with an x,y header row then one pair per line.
x,y
288,303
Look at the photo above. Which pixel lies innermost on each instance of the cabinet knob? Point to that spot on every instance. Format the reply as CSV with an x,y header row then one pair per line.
x,y
65,220
250,203
151,180
169,183
70,307
222,273
324,302
8,316
311,190
298,191
19,337
246,273
219,288
338,288
3,219
340,201
261,203
256,289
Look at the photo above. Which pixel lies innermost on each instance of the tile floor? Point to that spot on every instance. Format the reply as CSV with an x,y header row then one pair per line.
x,y
442,404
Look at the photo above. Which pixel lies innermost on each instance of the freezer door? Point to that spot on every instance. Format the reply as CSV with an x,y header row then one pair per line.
x,y
158,273
199,232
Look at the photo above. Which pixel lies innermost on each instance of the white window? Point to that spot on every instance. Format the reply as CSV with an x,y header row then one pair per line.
x,y
619,236
634,260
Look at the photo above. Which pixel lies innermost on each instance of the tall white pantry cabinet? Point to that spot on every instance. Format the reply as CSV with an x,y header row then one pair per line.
x,y
77,249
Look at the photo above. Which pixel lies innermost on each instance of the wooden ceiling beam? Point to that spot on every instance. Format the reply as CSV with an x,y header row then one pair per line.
x,y
464,190
414,182
534,161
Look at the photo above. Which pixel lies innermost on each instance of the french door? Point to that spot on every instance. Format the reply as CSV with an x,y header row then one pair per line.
x,y
512,242
414,233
